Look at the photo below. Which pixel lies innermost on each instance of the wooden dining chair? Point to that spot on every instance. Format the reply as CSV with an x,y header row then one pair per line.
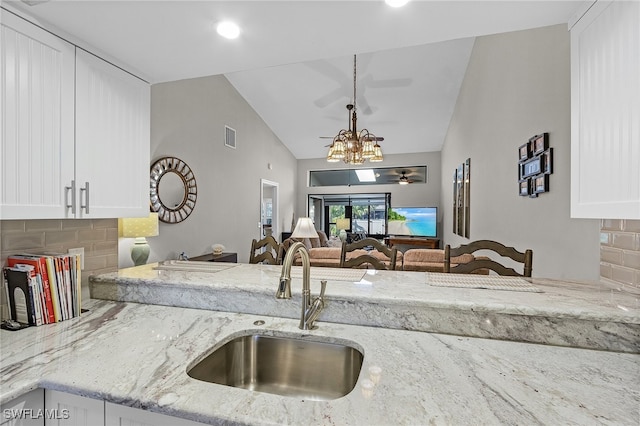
x,y
367,258
525,258
266,250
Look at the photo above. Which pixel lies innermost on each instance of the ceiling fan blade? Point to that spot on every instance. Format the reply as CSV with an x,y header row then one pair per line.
x,y
375,139
330,71
390,83
364,106
335,74
331,97
362,63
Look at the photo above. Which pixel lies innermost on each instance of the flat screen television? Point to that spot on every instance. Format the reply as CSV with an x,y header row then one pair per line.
x,y
413,221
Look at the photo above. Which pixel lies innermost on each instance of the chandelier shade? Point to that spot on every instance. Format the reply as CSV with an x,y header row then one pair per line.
x,y
352,146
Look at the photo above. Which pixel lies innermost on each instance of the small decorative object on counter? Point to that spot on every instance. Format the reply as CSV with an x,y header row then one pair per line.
x,y
217,249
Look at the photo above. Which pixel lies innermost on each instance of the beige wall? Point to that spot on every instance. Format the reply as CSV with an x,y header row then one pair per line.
x,y
187,121
517,86
99,237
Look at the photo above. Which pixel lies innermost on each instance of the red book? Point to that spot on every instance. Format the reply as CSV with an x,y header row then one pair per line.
x,y
40,266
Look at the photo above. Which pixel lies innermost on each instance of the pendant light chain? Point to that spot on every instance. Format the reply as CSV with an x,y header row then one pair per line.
x,y
354,82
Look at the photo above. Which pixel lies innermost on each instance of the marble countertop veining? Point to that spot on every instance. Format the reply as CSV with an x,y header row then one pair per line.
x,y
567,313
137,355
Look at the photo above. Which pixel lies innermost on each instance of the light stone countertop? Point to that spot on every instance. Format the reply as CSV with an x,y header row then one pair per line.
x,y
566,313
137,355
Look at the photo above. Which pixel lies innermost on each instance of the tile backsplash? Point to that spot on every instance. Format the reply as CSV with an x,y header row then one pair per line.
x,y
620,252
99,237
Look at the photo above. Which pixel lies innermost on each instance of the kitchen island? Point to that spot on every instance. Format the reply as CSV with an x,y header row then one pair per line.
x,y
137,355
556,312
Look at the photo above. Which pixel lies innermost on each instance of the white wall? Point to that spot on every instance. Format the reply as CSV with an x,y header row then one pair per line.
x,y
187,121
413,195
517,86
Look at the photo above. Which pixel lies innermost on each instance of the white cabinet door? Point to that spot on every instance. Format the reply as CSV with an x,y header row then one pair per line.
x,y
65,409
37,151
120,415
605,112
112,140
25,410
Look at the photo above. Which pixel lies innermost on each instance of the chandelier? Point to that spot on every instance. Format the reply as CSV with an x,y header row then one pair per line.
x,y
353,146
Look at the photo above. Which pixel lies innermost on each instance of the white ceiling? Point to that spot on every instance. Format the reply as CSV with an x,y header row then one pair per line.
x,y
293,59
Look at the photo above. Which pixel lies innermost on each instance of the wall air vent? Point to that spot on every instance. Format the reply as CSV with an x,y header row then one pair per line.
x,y
229,137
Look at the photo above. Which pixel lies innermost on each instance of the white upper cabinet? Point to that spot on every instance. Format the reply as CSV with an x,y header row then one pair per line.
x,y
75,130
605,112
112,140
36,155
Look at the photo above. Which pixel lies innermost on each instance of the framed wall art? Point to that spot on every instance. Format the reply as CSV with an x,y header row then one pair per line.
x,y
467,197
539,143
524,187
541,184
462,199
535,164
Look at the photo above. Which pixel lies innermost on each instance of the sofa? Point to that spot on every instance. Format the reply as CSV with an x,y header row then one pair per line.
x,y
321,254
423,260
432,260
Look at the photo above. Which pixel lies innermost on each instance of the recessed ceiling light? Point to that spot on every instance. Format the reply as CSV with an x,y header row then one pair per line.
x,y
396,3
228,30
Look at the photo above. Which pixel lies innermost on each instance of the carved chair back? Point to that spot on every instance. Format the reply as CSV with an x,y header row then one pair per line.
x,y
526,258
355,262
266,250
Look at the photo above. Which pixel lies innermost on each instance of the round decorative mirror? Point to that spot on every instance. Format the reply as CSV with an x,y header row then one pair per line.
x,y
173,189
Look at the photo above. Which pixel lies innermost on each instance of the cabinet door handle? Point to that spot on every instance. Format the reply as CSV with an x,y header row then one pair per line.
x,y
85,206
71,188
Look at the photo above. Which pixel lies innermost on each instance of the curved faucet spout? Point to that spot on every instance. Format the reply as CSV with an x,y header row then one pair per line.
x,y
310,311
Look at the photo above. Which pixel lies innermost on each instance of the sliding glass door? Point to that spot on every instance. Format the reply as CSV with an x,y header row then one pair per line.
x,y
366,213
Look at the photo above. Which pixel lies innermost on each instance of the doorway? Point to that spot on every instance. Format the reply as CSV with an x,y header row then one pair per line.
x,y
268,209
367,213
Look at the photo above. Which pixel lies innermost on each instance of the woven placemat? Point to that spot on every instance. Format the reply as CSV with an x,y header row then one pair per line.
x,y
184,265
331,274
491,282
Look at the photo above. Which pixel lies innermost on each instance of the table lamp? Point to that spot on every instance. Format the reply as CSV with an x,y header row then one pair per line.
x,y
304,229
140,228
342,225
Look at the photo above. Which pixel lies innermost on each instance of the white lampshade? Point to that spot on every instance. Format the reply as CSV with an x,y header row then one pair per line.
x,y
304,229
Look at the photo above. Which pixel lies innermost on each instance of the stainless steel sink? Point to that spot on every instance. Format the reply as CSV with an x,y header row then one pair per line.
x,y
284,366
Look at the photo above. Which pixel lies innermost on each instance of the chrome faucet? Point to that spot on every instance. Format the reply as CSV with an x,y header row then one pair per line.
x,y
310,309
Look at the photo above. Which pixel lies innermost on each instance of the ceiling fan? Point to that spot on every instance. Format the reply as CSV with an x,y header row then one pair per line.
x,y
404,180
405,176
343,84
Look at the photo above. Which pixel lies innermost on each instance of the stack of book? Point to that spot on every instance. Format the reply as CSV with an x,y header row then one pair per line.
x,y
43,289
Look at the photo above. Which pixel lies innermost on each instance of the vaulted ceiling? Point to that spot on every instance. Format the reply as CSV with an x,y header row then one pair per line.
x,y
293,61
